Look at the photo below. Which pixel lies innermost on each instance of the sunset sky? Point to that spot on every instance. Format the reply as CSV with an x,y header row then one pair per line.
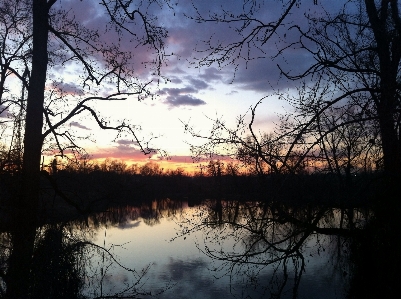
x,y
191,94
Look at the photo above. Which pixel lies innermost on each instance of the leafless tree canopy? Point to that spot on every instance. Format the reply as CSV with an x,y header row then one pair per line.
x,y
345,115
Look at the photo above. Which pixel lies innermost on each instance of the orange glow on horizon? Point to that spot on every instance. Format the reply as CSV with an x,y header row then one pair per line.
x,y
185,163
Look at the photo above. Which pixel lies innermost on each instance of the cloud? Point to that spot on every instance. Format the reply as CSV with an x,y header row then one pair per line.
x,y
3,111
198,84
177,91
232,92
264,75
129,225
125,142
194,41
175,79
137,55
67,88
190,160
180,159
127,146
125,149
183,100
212,74
78,125
189,40
176,97
126,153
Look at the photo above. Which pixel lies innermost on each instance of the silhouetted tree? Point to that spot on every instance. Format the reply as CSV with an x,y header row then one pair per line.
x,y
150,169
40,35
356,63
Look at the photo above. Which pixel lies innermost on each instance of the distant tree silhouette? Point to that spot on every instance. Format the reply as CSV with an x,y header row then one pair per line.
x,y
150,169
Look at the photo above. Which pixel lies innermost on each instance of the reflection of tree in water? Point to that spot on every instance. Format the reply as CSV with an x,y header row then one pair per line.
x,y
149,211
376,255
66,264
153,211
251,239
58,265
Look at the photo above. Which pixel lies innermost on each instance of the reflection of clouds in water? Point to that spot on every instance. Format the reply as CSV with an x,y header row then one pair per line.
x,y
116,282
178,268
192,279
116,278
311,286
128,225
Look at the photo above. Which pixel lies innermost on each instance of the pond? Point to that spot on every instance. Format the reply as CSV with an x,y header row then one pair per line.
x,y
213,249
205,249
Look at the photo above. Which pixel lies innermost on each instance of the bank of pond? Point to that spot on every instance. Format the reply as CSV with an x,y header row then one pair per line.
x,y
97,189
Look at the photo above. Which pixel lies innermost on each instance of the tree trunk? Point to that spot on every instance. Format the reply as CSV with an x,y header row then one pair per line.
x,y
23,235
34,114
388,47
390,142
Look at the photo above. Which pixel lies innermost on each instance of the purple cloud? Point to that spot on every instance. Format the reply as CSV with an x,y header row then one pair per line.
x,y
3,111
175,79
176,97
193,41
183,100
78,125
198,84
69,88
125,142
126,145
233,92
188,41
135,54
212,74
177,91
126,153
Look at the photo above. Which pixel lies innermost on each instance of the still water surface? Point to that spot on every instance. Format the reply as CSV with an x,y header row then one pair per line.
x,y
170,250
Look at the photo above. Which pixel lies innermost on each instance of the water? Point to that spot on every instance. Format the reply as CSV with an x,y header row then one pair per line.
x,y
166,249
214,249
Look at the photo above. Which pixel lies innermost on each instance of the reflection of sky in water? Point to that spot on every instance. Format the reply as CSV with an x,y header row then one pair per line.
x,y
180,270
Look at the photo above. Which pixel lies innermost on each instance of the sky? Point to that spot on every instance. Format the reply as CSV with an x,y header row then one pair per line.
x,y
187,91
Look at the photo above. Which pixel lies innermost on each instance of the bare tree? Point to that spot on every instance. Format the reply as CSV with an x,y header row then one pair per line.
x,y
356,63
362,65
38,35
345,117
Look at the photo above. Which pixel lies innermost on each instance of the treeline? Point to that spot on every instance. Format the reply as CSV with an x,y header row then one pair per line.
x,y
150,180
85,165
85,183
212,168
114,182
